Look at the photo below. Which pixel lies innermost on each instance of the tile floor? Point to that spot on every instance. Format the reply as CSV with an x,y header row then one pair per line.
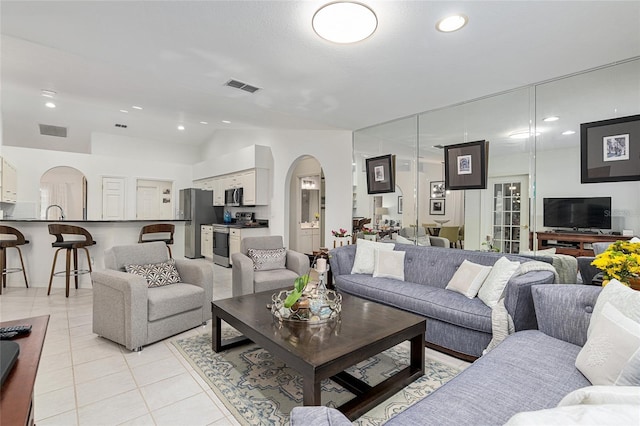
x,y
87,380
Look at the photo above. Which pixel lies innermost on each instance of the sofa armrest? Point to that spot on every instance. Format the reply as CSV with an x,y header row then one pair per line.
x,y
297,262
317,416
341,259
120,307
587,271
201,275
564,310
439,242
241,275
518,300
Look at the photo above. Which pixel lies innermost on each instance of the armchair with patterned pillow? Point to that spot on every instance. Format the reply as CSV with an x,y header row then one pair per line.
x,y
263,263
144,296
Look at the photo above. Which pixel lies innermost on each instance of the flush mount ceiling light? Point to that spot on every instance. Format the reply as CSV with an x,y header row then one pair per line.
x,y
204,122
344,22
226,121
50,105
124,111
552,118
451,23
523,135
136,107
180,127
568,132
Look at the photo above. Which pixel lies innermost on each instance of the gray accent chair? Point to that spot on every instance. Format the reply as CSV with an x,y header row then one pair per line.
x,y
245,280
409,232
128,312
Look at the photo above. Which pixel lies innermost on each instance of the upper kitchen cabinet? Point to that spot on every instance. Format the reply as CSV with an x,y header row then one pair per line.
x,y
9,182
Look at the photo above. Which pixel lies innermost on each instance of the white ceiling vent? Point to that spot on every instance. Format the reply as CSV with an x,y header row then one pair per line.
x,y
242,86
49,130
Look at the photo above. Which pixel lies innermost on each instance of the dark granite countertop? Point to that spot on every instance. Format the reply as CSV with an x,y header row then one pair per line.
x,y
91,221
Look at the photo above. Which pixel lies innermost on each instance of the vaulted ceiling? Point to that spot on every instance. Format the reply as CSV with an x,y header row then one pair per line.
x,y
173,58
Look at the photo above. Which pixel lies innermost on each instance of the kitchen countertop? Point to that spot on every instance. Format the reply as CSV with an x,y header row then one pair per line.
x,y
257,224
90,221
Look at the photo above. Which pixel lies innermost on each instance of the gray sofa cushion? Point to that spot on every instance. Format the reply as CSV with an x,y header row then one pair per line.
x,y
173,299
273,279
502,383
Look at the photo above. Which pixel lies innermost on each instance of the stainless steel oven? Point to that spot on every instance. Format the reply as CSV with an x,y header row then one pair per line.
x,y
221,245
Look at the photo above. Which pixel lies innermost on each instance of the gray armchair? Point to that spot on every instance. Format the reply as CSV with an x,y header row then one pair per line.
x,y
128,312
588,271
245,280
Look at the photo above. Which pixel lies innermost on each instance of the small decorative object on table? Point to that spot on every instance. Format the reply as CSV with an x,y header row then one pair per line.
x,y
488,243
369,234
341,237
621,260
315,306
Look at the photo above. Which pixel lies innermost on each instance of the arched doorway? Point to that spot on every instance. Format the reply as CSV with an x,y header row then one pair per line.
x,y
63,194
306,205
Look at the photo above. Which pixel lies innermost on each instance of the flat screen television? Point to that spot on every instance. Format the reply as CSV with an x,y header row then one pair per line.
x,y
587,212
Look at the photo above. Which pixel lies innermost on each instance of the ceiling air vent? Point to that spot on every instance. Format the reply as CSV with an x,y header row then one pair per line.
x,y
49,130
122,126
242,86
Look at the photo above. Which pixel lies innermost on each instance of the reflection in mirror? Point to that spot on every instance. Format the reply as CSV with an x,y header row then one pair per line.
x,y
63,194
310,199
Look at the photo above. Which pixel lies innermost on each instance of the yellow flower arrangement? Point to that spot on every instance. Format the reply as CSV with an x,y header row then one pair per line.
x,y
621,260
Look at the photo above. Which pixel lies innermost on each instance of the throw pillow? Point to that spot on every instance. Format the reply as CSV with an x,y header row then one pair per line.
x,y
468,278
424,241
592,395
364,261
579,415
268,259
613,342
389,264
621,297
493,287
156,274
402,240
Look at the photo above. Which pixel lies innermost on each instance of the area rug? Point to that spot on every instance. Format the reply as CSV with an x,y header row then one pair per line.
x,y
259,389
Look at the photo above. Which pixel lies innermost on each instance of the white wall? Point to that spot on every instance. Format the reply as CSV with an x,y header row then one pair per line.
x,y
331,148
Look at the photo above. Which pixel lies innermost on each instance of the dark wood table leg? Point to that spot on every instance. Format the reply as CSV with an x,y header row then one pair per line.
x,y
310,391
417,353
216,331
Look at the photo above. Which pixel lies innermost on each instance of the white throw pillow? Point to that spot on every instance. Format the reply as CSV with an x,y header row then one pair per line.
x,y
468,278
624,299
592,395
402,240
496,281
613,342
424,241
364,261
389,264
582,415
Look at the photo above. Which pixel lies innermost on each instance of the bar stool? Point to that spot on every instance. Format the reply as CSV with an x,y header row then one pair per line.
x,y
71,246
166,229
15,243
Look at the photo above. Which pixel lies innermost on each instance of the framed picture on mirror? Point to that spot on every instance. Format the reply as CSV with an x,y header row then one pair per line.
x,y
400,204
437,189
436,206
381,174
465,165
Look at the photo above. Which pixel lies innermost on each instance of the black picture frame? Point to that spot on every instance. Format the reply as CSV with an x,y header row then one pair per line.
x,y
437,189
610,150
381,174
436,206
399,204
465,165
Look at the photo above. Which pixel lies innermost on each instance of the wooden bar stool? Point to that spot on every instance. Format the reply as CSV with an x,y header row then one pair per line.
x,y
71,246
163,232
5,243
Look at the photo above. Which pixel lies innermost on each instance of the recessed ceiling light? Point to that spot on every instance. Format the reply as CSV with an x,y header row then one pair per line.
x,y
344,22
226,121
203,122
124,110
50,105
136,107
451,23
180,127
522,135
552,118
48,93
568,132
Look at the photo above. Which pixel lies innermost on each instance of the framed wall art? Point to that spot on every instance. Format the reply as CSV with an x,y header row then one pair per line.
x,y
465,165
381,174
610,150
437,189
436,206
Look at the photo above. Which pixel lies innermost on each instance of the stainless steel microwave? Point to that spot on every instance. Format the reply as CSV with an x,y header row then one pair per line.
x,y
233,197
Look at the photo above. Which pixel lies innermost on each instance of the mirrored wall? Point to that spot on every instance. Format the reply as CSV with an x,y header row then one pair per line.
x,y
534,153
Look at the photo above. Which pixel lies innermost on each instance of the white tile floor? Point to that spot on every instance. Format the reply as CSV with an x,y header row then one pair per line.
x,y
87,380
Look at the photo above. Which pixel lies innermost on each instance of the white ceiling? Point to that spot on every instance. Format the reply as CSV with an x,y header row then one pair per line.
x,y
173,58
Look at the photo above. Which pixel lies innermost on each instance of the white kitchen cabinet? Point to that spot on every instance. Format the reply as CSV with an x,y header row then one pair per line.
x,y
218,191
235,236
206,241
9,182
254,184
308,240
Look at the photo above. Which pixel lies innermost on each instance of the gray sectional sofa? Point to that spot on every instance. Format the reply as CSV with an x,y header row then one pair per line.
x,y
530,370
456,324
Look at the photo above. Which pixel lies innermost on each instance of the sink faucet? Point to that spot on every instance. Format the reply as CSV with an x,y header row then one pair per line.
x,y
46,214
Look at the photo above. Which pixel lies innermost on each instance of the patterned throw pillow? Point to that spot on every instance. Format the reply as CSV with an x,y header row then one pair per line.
x,y
268,259
156,274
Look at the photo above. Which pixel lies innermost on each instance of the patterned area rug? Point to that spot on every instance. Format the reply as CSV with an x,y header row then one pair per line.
x,y
259,389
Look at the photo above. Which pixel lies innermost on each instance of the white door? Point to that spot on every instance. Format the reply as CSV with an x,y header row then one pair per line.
x,y
147,205
510,212
113,196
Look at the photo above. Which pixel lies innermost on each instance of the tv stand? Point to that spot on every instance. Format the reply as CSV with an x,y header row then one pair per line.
x,y
573,243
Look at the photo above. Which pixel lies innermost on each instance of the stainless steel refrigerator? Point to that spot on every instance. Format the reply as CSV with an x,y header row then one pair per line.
x,y
196,208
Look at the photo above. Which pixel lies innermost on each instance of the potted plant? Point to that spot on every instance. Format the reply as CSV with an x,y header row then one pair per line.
x,y
341,237
369,234
621,260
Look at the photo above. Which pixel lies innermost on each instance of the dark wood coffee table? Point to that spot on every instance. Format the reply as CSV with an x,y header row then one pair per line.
x,y
325,351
